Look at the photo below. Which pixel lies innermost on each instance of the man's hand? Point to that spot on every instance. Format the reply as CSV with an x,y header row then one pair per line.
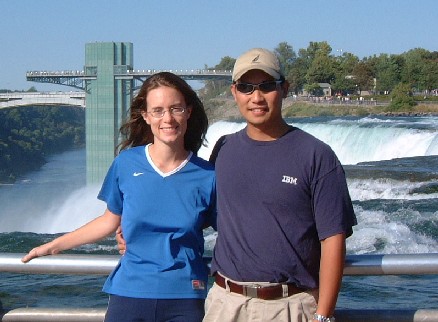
x,y
121,244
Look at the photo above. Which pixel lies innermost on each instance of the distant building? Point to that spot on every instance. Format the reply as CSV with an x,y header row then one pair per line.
x,y
326,90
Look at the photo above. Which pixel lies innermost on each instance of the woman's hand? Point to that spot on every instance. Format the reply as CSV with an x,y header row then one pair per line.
x,y
121,243
43,250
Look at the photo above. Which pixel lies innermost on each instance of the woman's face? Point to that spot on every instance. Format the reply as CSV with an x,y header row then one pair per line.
x,y
171,127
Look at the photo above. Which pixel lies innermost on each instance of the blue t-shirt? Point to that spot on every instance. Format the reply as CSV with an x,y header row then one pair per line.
x,y
162,218
276,201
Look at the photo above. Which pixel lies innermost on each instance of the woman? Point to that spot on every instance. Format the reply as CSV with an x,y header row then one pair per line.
x,y
162,195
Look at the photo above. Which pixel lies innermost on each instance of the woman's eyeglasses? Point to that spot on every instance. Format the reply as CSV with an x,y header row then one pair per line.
x,y
265,87
159,113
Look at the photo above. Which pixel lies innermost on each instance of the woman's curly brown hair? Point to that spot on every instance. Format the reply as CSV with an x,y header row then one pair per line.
x,y
137,132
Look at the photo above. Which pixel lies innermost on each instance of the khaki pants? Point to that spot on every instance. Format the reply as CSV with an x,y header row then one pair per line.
x,y
224,306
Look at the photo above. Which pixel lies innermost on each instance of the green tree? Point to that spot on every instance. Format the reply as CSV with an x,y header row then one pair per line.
x,y
297,74
321,70
363,76
428,78
321,66
429,75
32,132
226,63
388,72
218,87
347,63
415,59
401,98
318,48
343,66
286,56
299,68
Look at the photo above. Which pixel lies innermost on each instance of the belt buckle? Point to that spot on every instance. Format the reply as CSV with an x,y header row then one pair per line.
x,y
251,290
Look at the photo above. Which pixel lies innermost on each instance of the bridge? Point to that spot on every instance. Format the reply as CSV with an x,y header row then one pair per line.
x,y
77,79
42,98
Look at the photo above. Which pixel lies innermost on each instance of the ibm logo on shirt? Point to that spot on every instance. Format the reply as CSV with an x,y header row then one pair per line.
x,y
290,180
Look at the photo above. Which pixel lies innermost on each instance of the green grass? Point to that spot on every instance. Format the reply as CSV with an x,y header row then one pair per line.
x,y
304,109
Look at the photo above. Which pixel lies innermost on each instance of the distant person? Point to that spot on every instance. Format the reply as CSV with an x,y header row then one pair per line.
x,y
162,195
284,210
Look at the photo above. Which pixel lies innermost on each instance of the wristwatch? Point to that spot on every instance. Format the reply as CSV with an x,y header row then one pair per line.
x,y
322,318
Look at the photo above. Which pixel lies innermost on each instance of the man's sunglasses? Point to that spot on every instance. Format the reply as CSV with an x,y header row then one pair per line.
x,y
266,87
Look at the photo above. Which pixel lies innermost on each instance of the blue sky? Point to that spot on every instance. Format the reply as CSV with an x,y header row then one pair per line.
x,y
51,34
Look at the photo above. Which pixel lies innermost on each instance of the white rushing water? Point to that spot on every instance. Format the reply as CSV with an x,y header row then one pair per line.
x,y
354,141
55,199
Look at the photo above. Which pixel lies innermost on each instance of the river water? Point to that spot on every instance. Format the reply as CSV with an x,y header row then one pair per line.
x,y
392,174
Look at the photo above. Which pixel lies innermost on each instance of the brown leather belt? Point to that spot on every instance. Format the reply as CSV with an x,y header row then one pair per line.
x,y
259,291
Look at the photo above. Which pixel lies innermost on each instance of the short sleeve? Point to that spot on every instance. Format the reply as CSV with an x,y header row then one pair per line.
x,y
110,191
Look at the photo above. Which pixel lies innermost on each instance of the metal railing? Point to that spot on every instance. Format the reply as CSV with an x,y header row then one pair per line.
x,y
394,264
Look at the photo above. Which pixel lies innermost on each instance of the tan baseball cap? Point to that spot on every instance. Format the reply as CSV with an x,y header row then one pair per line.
x,y
257,58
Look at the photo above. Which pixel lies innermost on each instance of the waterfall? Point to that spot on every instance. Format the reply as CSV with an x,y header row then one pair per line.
x,y
358,140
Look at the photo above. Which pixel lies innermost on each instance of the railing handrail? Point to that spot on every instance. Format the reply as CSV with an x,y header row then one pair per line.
x,y
389,264
97,315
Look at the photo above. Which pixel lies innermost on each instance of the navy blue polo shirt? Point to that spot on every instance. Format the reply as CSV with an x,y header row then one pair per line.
x,y
276,201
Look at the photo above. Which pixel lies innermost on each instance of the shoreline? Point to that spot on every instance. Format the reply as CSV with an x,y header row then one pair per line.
x,y
226,109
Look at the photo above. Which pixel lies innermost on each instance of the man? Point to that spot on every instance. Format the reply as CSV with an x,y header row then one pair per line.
x,y
284,210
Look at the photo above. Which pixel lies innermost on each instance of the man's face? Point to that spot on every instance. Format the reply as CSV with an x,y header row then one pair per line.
x,y
261,109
